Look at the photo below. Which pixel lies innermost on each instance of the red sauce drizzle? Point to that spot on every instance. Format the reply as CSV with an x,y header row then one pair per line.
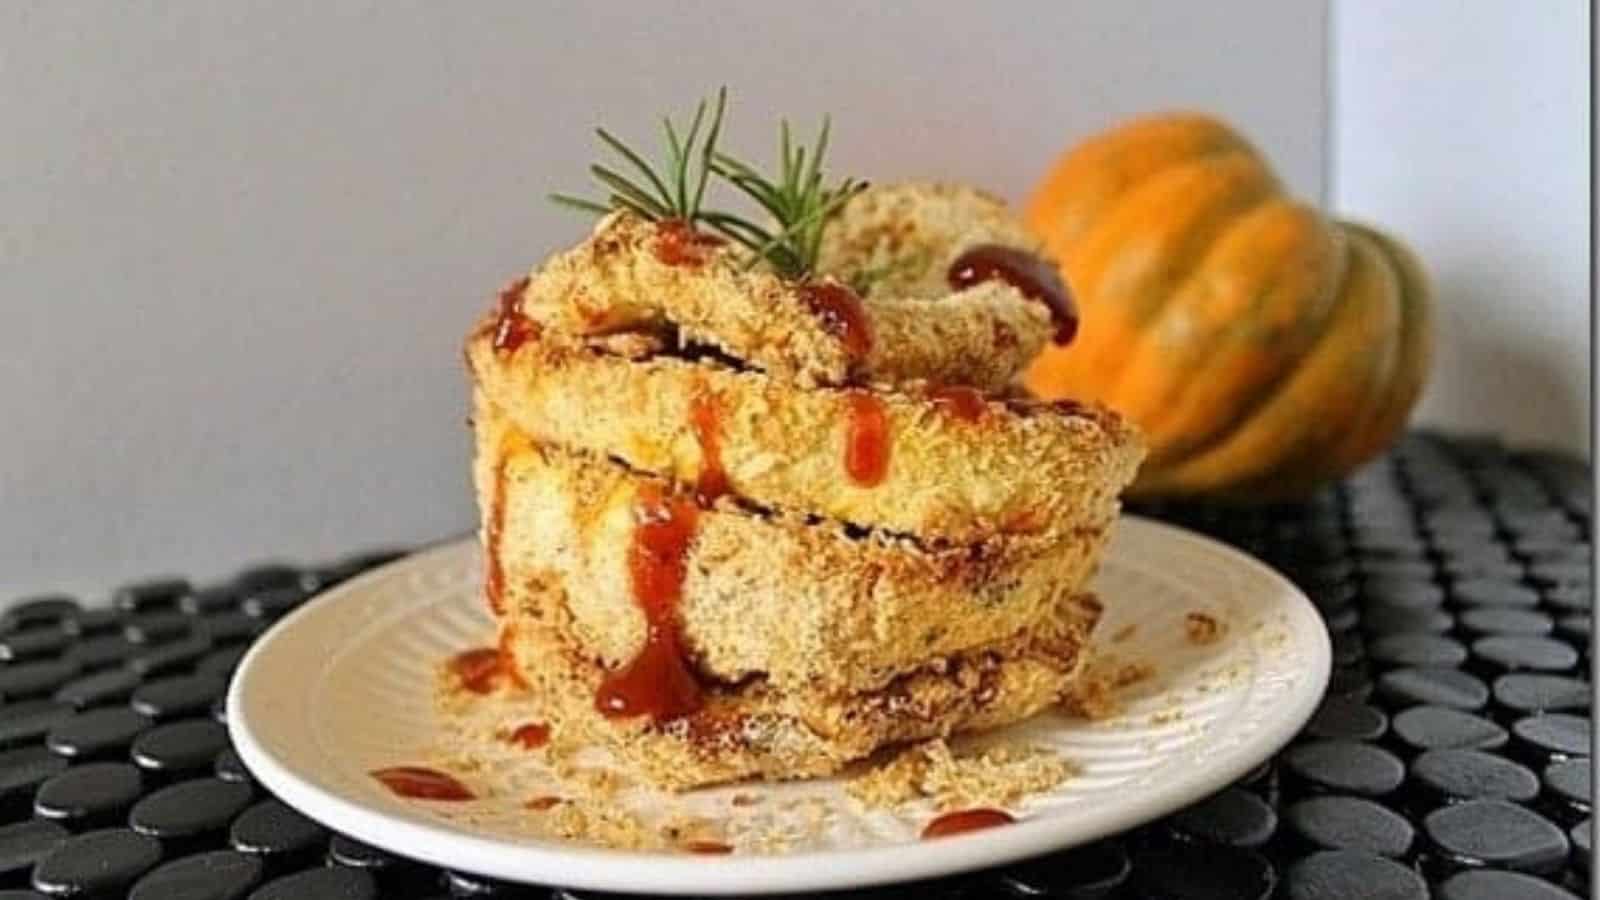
x,y
657,682
478,669
866,442
540,804
966,820
512,329
508,659
841,313
531,736
679,244
494,580
1032,276
713,848
963,403
705,416
419,783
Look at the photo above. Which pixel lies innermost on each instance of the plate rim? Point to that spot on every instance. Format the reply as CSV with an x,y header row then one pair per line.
x,y
607,869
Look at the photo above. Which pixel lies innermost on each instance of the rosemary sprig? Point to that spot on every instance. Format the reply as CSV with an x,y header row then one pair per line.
x,y
799,203
689,166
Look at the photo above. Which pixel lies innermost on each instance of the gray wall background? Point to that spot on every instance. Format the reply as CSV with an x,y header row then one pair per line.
x,y
241,241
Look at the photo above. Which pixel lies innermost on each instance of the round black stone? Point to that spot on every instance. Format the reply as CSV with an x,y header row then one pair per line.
x,y
181,747
1411,649
190,808
22,771
109,686
1570,598
24,843
97,734
209,600
88,795
1093,871
1403,593
1553,736
1345,874
229,628
96,864
1559,573
273,603
1441,687
462,884
1350,823
1504,620
171,657
1582,837
1343,718
1577,629
1491,885
93,622
1493,592
156,627
347,851
1498,834
1439,727
1381,620
221,663
1541,693
102,652
20,681
1454,775
179,695
1350,682
1345,767
33,644
1570,786
1341,619
271,574
229,767
1494,566
331,883
273,829
219,875
1527,654
31,612
219,709
1179,870
1397,570
30,720
1232,816
1349,648
150,594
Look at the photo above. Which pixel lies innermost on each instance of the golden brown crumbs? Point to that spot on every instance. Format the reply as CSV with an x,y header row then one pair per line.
x,y
1125,632
606,826
997,776
1202,628
745,800
1094,694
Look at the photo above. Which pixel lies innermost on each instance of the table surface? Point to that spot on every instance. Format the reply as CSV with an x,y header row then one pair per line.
x,y
1450,758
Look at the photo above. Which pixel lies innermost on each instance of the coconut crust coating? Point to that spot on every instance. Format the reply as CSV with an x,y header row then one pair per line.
x,y
754,730
1009,466
805,605
617,281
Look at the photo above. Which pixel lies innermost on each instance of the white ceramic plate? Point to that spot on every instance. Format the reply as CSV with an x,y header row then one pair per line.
x,y
344,686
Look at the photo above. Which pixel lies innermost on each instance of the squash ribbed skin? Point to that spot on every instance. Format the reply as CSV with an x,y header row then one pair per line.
x,y
1262,348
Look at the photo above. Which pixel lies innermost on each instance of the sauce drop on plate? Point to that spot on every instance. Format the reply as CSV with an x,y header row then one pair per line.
x,y
657,682
478,669
1035,278
710,848
421,783
966,820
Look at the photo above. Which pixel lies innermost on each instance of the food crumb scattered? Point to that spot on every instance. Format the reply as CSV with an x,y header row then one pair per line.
x,y
999,775
745,799
1125,632
1202,628
1093,695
